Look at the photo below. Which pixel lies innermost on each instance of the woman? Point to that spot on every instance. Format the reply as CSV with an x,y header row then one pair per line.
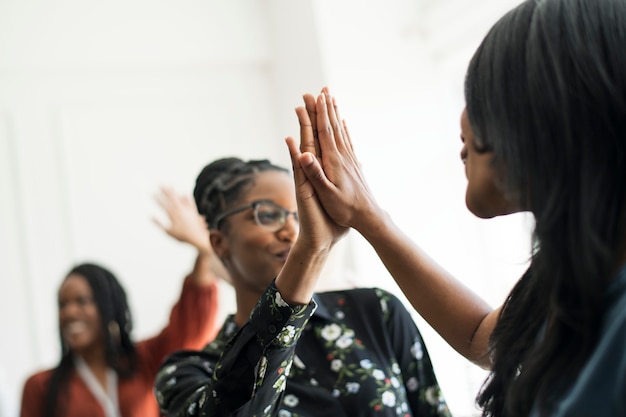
x,y
544,131
102,371
287,352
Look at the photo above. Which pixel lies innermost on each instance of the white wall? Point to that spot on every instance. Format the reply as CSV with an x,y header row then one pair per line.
x,y
102,102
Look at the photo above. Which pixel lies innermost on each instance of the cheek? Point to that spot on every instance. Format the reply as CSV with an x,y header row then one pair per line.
x,y
483,197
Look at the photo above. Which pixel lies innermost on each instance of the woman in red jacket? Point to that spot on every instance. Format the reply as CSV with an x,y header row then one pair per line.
x,y
102,372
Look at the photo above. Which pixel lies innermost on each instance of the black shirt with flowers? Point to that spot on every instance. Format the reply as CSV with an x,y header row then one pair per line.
x,y
352,353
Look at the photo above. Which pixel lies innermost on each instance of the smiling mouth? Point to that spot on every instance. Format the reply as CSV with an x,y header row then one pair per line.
x,y
74,327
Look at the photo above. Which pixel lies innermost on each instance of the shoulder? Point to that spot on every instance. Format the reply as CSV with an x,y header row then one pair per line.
x,y
37,382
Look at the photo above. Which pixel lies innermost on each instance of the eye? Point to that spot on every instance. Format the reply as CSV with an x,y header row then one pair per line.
x,y
269,215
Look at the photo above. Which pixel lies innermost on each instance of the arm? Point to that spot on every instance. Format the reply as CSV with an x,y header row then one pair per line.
x,y
250,376
242,374
187,226
192,321
462,318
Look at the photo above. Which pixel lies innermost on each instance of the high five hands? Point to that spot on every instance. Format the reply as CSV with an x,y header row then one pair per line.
x,y
329,162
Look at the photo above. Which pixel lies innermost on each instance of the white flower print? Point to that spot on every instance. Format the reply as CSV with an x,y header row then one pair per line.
x,y
280,383
378,374
286,335
394,382
365,364
331,332
383,305
314,382
353,387
284,413
298,362
336,365
267,409
344,341
336,393
412,384
291,400
340,315
171,382
417,351
389,398
432,395
262,367
169,369
279,300
395,368
288,368
191,410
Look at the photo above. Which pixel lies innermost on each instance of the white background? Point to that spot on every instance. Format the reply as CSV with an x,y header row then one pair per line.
x,y
103,102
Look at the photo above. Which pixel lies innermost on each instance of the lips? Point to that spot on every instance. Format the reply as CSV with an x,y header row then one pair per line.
x,y
74,327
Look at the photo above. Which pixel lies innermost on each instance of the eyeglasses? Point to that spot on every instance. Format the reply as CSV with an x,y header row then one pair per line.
x,y
267,214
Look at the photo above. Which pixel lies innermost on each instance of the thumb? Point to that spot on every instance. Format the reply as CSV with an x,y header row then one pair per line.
x,y
313,171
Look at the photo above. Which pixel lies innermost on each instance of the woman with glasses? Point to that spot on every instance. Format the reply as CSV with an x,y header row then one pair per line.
x,y
349,353
102,371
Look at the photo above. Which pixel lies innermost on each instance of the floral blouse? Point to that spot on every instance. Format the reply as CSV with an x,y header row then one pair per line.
x,y
352,353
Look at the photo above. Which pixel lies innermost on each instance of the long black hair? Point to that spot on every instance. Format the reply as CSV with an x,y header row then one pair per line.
x,y
220,184
116,322
546,90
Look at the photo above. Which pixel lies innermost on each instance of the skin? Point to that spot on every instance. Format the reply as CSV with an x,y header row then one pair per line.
x,y
79,320
461,317
484,196
302,268
252,255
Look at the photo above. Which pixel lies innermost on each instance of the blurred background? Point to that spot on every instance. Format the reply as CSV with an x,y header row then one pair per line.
x,y
101,103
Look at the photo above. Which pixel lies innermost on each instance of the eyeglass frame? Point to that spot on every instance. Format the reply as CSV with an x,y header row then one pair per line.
x,y
254,205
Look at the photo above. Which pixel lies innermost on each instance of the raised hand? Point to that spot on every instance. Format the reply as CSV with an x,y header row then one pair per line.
x,y
330,163
315,225
185,223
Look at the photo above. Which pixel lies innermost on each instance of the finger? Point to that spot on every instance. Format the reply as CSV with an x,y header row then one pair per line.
x,y
334,119
326,136
349,142
160,224
311,167
294,153
307,139
309,104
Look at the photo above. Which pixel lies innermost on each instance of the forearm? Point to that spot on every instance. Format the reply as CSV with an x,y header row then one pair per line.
x,y
299,276
460,316
207,269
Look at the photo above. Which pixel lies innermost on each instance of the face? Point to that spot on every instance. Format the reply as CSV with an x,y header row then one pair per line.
x,y
485,196
79,318
253,254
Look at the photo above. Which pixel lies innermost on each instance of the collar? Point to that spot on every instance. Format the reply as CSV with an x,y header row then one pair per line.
x,y
321,311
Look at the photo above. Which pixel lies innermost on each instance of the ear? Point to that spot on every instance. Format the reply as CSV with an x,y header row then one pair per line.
x,y
219,242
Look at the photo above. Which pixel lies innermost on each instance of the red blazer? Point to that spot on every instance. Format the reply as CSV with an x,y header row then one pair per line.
x,y
192,325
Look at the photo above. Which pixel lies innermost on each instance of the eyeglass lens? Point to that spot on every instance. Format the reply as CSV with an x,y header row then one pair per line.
x,y
270,215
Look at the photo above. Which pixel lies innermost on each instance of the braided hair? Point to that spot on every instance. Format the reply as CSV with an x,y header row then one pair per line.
x,y
116,322
222,182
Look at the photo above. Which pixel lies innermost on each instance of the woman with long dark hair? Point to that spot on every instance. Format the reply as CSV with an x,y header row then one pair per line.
x,y
543,131
102,371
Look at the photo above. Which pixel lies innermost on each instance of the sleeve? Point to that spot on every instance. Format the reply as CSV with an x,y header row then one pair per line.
x,y
423,391
192,324
33,397
250,375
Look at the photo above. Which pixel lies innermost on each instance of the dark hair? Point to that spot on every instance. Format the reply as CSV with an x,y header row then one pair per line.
x,y
116,322
222,182
546,91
